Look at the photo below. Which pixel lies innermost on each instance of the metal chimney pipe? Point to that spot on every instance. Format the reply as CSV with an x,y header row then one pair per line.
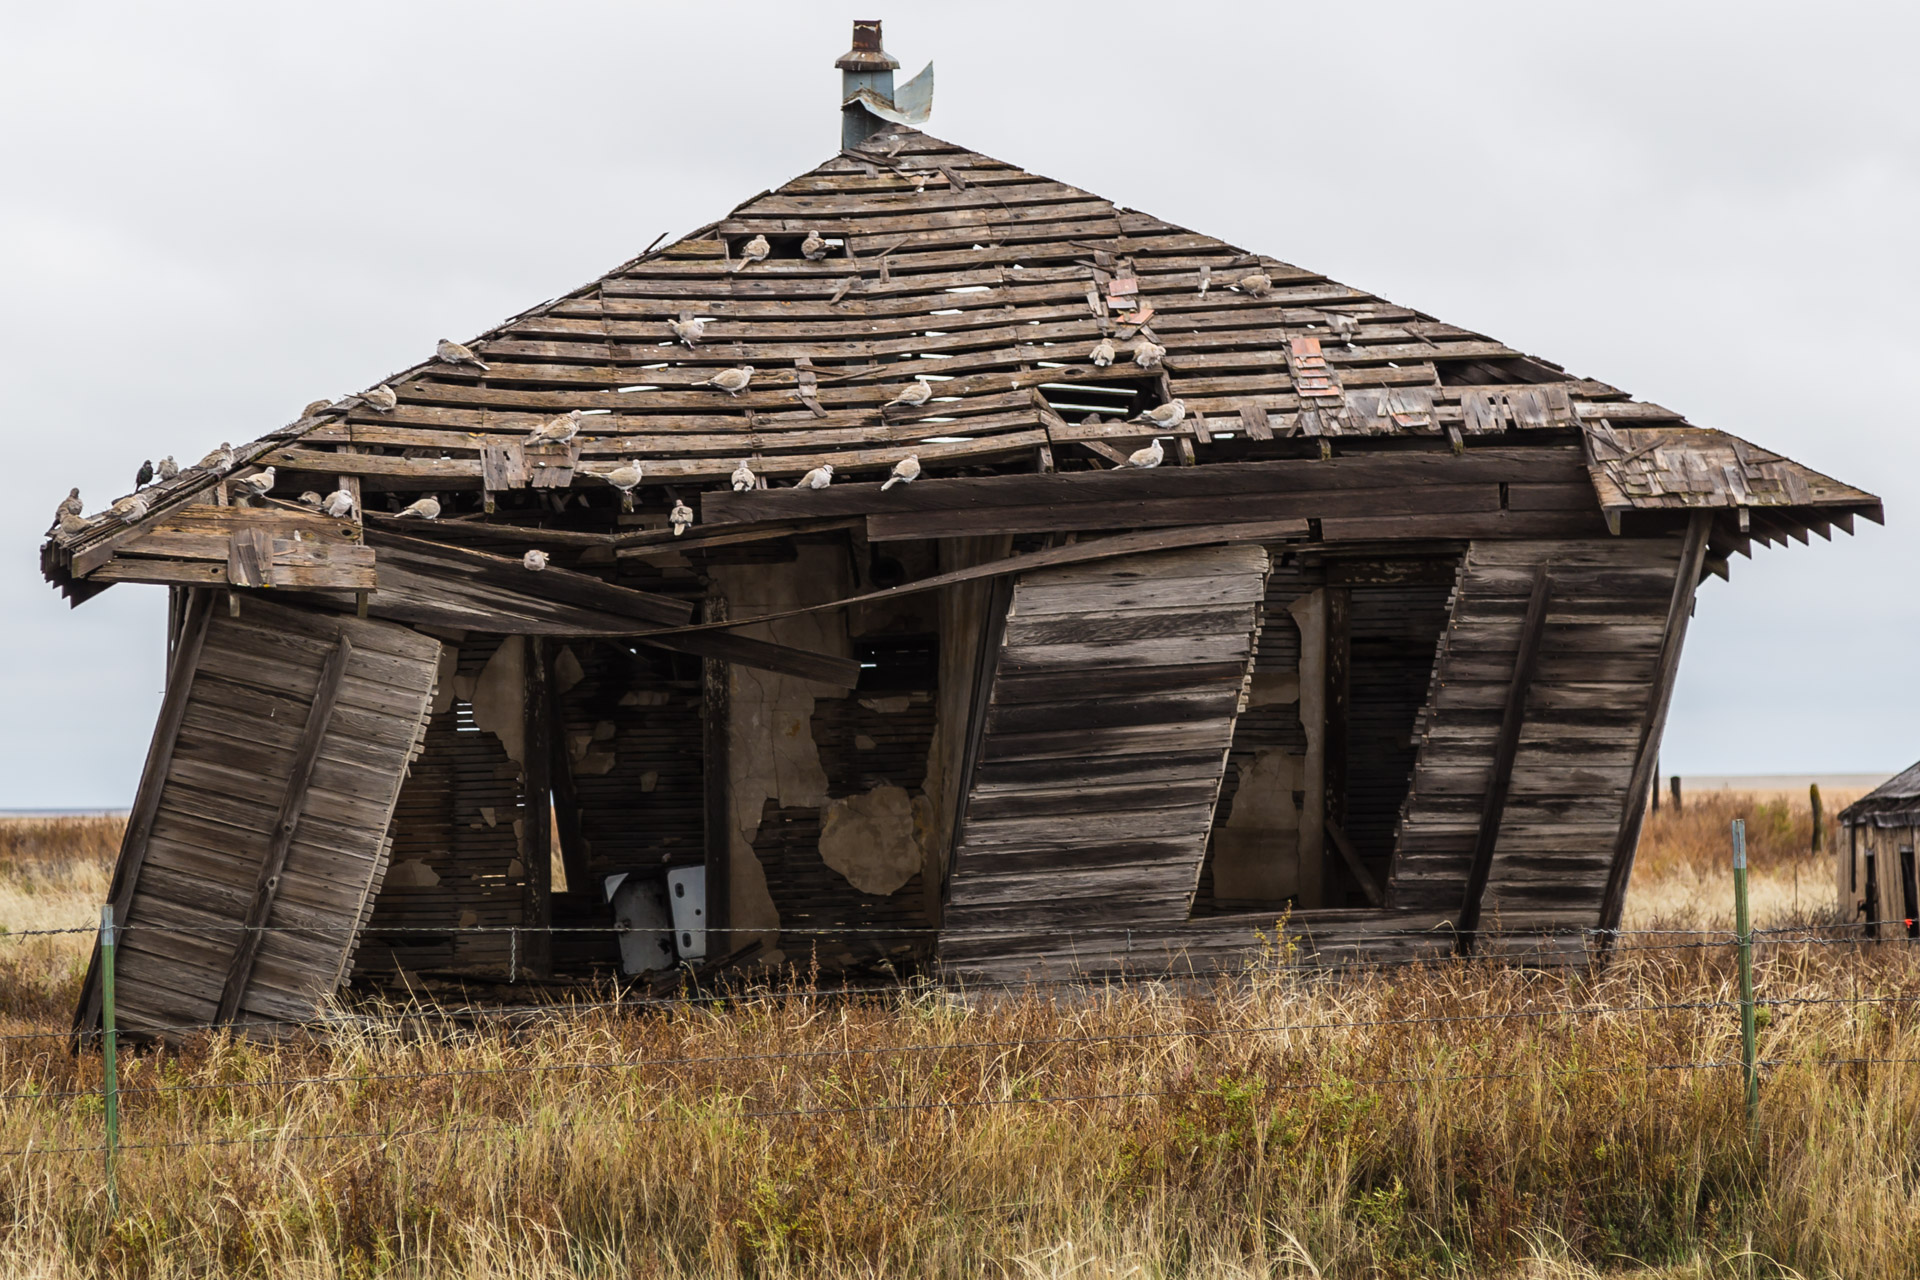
x,y
865,66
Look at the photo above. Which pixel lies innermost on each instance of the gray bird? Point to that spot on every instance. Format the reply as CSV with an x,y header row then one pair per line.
x,y
72,506
557,430
312,498
338,504
688,328
130,508
1255,284
743,478
813,248
1148,458
381,399
144,476
818,478
1147,353
905,471
626,477
220,459
911,396
256,485
427,508
1103,353
447,351
681,518
754,250
1170,414
731,381
534,560
168,468
72,524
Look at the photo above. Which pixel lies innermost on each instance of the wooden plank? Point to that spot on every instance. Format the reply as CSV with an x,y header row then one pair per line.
x,y
566,796
146,802
1506,747
1369,885
250,558
508,577
986,661
536,826
716,810
1659,698
247,943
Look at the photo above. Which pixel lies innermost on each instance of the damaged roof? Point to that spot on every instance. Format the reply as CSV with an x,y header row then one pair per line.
x,y
996,285
1894,803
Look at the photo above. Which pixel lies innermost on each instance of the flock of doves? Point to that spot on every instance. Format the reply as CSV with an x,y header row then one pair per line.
x,y
71,518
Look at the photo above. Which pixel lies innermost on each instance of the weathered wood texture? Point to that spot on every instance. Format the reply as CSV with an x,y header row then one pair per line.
x,y
1583,722
225,804
1112,708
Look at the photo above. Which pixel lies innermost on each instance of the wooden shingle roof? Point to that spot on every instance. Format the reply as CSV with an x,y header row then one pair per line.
x,y
997,283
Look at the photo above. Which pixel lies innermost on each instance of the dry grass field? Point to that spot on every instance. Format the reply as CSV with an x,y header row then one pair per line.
x,y
1456,1119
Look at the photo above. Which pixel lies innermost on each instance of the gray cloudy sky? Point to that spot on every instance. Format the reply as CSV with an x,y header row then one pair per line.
x,y
214,213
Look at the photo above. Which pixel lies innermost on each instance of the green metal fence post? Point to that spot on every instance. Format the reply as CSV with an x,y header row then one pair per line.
x,y
109,1070
1743,929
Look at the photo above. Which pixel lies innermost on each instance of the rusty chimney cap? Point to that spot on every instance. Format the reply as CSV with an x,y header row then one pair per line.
x,y
866,54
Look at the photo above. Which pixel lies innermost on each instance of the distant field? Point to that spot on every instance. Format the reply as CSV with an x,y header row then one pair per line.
x,y
1454,1120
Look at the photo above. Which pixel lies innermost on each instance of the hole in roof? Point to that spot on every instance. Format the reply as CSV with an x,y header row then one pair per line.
x,y
933,333
662,365
625,390
1119,399
932,355
971,288
945,439
778,246
589,413
948,311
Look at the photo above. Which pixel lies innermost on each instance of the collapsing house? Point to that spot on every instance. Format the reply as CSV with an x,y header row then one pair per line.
x,y
1047,590
1879,884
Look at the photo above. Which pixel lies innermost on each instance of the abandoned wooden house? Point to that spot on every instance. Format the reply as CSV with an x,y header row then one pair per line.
x,y
928,567
1879,885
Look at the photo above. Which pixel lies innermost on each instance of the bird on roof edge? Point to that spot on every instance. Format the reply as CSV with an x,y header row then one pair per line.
x,y
427,508
71,504
689,328
144,477
381,399
257,485
557,430
130,508
743,478
1103,353
220,459
1147,353
905,471
72,525
447,351
534,560
1255,284
1170,414
168,469
681,517
626,477
818,478
813,248
1146,459
338,504
312,498
754,250
731,381
911,396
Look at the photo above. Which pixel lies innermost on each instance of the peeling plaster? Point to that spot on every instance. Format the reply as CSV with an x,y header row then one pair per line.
x,y
567,671
411,874
498,696
873,839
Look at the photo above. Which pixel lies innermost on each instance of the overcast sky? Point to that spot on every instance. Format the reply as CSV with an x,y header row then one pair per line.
x,y
211,214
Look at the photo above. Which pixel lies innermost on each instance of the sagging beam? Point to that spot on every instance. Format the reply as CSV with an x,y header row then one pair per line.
x,y
146,801
482,574
1693,552
326,695
1506,748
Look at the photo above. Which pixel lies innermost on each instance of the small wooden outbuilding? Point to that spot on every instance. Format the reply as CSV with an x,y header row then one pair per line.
x,y
1879,887
1385,641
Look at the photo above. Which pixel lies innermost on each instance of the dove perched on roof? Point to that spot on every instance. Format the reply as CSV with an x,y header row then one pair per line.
x,y
311,498
168,468
220,459
681,518
1103,352
1170,414
754,250
338,504
743,478
381,399
1255,284
534,560
556,430
813,248
447,351
689,328
1344,326
130,508
911,396
144,476
731,381
427,508
258,484
818,478
316,406
1147,353
1149,457
72,523
71,504
905,471
626,477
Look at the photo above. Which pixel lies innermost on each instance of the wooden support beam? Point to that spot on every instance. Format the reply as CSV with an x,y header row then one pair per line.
x,y
1339,669
326,694
153,778
716,730
986,665
566,796
1505,748
536,825
1376,895
1693,552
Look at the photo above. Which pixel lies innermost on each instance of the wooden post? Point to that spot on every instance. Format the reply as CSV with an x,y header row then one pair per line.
x,y
1506,749
333,674
716,710
1339,682
986,665
1693,554
566,796
1743,931
153,778
1656,784
536,825
1813,799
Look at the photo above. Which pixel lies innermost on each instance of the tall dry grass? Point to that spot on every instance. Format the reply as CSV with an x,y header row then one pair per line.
x,y
1450,1120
